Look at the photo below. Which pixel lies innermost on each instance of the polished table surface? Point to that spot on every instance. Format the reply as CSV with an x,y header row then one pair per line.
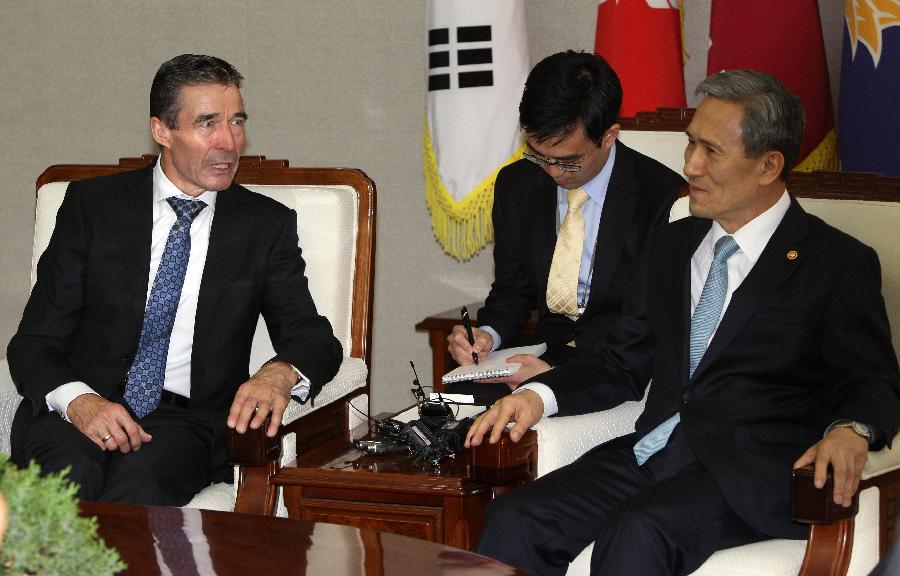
x,y
164,540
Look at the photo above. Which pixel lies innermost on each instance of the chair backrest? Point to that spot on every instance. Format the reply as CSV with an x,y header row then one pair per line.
x,y
659,135
335,223
866,206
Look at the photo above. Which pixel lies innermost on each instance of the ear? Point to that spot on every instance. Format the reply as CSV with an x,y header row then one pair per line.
x,y
610,136
160,132
770,165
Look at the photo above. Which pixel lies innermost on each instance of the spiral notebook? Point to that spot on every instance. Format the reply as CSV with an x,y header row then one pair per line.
x,y
492,366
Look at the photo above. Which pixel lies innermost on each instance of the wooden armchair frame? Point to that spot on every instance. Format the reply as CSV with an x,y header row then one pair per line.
x,y
257,456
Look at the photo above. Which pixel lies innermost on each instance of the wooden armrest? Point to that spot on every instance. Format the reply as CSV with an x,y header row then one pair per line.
x,y
253,447
831,525
257,456
811,505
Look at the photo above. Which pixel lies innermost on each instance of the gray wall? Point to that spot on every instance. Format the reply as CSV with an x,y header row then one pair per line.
x,y
328,83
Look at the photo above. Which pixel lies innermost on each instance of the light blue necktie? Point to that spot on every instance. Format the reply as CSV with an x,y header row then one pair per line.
x,y
703,323
147,374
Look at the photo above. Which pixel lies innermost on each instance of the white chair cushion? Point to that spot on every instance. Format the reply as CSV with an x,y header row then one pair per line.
x,y
327,221
214,497
562,440
663,146
9,402
351,375
875,224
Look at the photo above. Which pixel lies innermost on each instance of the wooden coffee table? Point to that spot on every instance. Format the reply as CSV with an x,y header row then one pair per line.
x,y
393,493
186,541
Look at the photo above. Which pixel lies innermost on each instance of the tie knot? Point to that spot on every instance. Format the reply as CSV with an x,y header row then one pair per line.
x,y
576,197
186,209
725,248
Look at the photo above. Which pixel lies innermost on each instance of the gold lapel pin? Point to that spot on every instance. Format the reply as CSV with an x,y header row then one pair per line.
x,y
792,255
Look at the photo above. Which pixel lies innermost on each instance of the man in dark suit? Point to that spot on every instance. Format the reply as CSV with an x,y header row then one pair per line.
x,y
133,350
769,347
568,112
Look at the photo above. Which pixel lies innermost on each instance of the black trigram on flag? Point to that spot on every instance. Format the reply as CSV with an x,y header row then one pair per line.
x,y
467,58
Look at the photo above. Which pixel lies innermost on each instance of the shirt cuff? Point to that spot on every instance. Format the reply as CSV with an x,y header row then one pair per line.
x,y
58,399
301,388
546,394
494,335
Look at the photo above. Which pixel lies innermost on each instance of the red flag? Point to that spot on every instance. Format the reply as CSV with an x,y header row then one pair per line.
x,y
783,39
641,40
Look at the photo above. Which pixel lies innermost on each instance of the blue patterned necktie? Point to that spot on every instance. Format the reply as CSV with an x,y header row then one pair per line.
x,y
148,372
703,323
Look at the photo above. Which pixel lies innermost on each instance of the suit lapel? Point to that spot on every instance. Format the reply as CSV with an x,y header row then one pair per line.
x,y
134,211
680,320
544,235
769,272
229,233
618,210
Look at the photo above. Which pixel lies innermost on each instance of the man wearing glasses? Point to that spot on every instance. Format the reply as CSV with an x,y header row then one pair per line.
x,y
571,221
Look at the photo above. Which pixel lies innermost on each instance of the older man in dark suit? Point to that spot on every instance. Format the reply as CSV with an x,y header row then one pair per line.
x,y
133,350
572,221
769,347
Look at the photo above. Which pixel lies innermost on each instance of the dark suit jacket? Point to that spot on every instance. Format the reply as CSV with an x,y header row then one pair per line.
x,y
805,341
83,319
640,194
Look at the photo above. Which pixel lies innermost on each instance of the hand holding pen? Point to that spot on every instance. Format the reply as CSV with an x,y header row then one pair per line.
x,y
468,326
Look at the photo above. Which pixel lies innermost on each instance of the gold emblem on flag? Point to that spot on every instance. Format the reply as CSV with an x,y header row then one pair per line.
x,y
866,19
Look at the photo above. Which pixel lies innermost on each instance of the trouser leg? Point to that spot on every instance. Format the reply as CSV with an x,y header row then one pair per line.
x,y
669,528
170,469
541,527
55,445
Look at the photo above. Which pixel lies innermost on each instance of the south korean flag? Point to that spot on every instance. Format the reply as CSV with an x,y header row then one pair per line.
x,y
477,65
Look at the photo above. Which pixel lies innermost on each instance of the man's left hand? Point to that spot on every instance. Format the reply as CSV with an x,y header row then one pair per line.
x,y
269,390
846,451
531,367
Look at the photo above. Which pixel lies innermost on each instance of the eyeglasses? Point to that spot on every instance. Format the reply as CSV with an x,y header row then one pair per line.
x,y
564,166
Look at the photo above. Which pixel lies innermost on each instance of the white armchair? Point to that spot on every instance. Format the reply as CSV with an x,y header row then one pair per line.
x,y
336,227
864,205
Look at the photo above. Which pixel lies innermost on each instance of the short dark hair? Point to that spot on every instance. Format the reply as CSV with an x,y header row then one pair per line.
x,y
568,88
773,116
186,70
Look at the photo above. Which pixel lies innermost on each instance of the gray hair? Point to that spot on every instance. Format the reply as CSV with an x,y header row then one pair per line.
x,y
773,116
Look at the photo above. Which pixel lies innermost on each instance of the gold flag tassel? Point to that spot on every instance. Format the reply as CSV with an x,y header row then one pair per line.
x,y
823,157
461,228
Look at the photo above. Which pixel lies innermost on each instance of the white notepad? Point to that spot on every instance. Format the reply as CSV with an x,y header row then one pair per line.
x,y
494,365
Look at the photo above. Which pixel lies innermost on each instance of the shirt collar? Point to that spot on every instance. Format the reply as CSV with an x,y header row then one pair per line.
x,y
164,188
597,186
753,236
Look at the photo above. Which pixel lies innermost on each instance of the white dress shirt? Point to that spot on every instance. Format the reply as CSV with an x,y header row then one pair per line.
x,y
751,239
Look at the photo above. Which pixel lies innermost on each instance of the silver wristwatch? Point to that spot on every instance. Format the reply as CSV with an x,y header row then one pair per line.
x,y
858,427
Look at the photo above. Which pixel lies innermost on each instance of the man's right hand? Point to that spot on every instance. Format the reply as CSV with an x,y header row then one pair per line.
x,y
107,424
459,347
524,408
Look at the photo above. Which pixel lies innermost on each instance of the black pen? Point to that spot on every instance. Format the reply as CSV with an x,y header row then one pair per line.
x,y
468,326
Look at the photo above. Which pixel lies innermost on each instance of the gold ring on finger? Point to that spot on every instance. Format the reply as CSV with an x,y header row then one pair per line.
x,y
107,437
